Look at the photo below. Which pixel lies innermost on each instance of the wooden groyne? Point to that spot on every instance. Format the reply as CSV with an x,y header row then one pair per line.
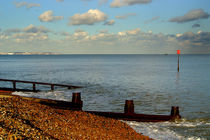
x,y
77,104
34,87
130,115
74,105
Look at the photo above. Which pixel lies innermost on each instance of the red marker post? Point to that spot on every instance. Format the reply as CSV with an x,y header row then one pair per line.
x,y
178,52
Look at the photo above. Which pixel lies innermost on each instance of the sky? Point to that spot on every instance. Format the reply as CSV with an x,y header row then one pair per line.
x,y
105,26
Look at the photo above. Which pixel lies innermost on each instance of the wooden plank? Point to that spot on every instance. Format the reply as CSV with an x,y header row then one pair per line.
x,y
40,83
133,117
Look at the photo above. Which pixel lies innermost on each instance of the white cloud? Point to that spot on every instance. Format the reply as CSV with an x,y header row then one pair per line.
x,y
199,32
104,38
3,37
150,32
78,36
110,22
134,31
26,4
191,16
121,3
89,18
130,32
48,17
80,33
178,35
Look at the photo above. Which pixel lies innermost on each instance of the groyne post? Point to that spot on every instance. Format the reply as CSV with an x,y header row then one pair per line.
x,y
34,87
52,87
178,64
76,99
129,107
14,85
175,112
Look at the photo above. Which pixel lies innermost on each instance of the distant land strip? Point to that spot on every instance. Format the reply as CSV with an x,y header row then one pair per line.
x,y
29,53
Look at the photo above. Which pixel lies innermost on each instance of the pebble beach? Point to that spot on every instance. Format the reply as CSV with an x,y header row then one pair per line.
x,y
25,119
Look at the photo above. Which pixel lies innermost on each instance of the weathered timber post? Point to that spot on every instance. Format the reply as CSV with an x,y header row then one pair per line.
x,y
14,85
34,87
178,52
175,112
178,64
52,87
76,99
129,107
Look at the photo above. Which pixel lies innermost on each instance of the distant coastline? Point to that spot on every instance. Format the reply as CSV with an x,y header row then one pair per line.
x,y
29,53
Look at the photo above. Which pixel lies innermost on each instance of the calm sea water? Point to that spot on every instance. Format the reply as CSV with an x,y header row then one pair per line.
x,y
152,81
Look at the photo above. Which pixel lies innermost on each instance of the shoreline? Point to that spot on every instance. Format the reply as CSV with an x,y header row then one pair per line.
x,y
22,118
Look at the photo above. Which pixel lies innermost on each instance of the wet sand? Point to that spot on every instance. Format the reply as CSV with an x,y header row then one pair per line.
x,y
25,119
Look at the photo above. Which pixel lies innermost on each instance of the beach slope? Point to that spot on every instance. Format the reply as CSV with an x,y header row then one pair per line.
x,y
25,119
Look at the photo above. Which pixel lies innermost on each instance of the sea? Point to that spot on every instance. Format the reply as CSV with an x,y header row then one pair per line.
x,y
152,81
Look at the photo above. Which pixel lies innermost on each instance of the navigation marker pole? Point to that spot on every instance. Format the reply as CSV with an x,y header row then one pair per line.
x,y
178,52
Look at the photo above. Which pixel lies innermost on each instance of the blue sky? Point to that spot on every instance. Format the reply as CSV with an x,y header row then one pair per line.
x,y
105,26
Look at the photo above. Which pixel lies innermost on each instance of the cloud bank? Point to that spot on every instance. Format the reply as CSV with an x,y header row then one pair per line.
x,y
27,34
201,39
128,41
191,16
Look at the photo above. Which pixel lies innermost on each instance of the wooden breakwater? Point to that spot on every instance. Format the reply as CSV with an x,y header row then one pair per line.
x,y
77,104
130,115
33,89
